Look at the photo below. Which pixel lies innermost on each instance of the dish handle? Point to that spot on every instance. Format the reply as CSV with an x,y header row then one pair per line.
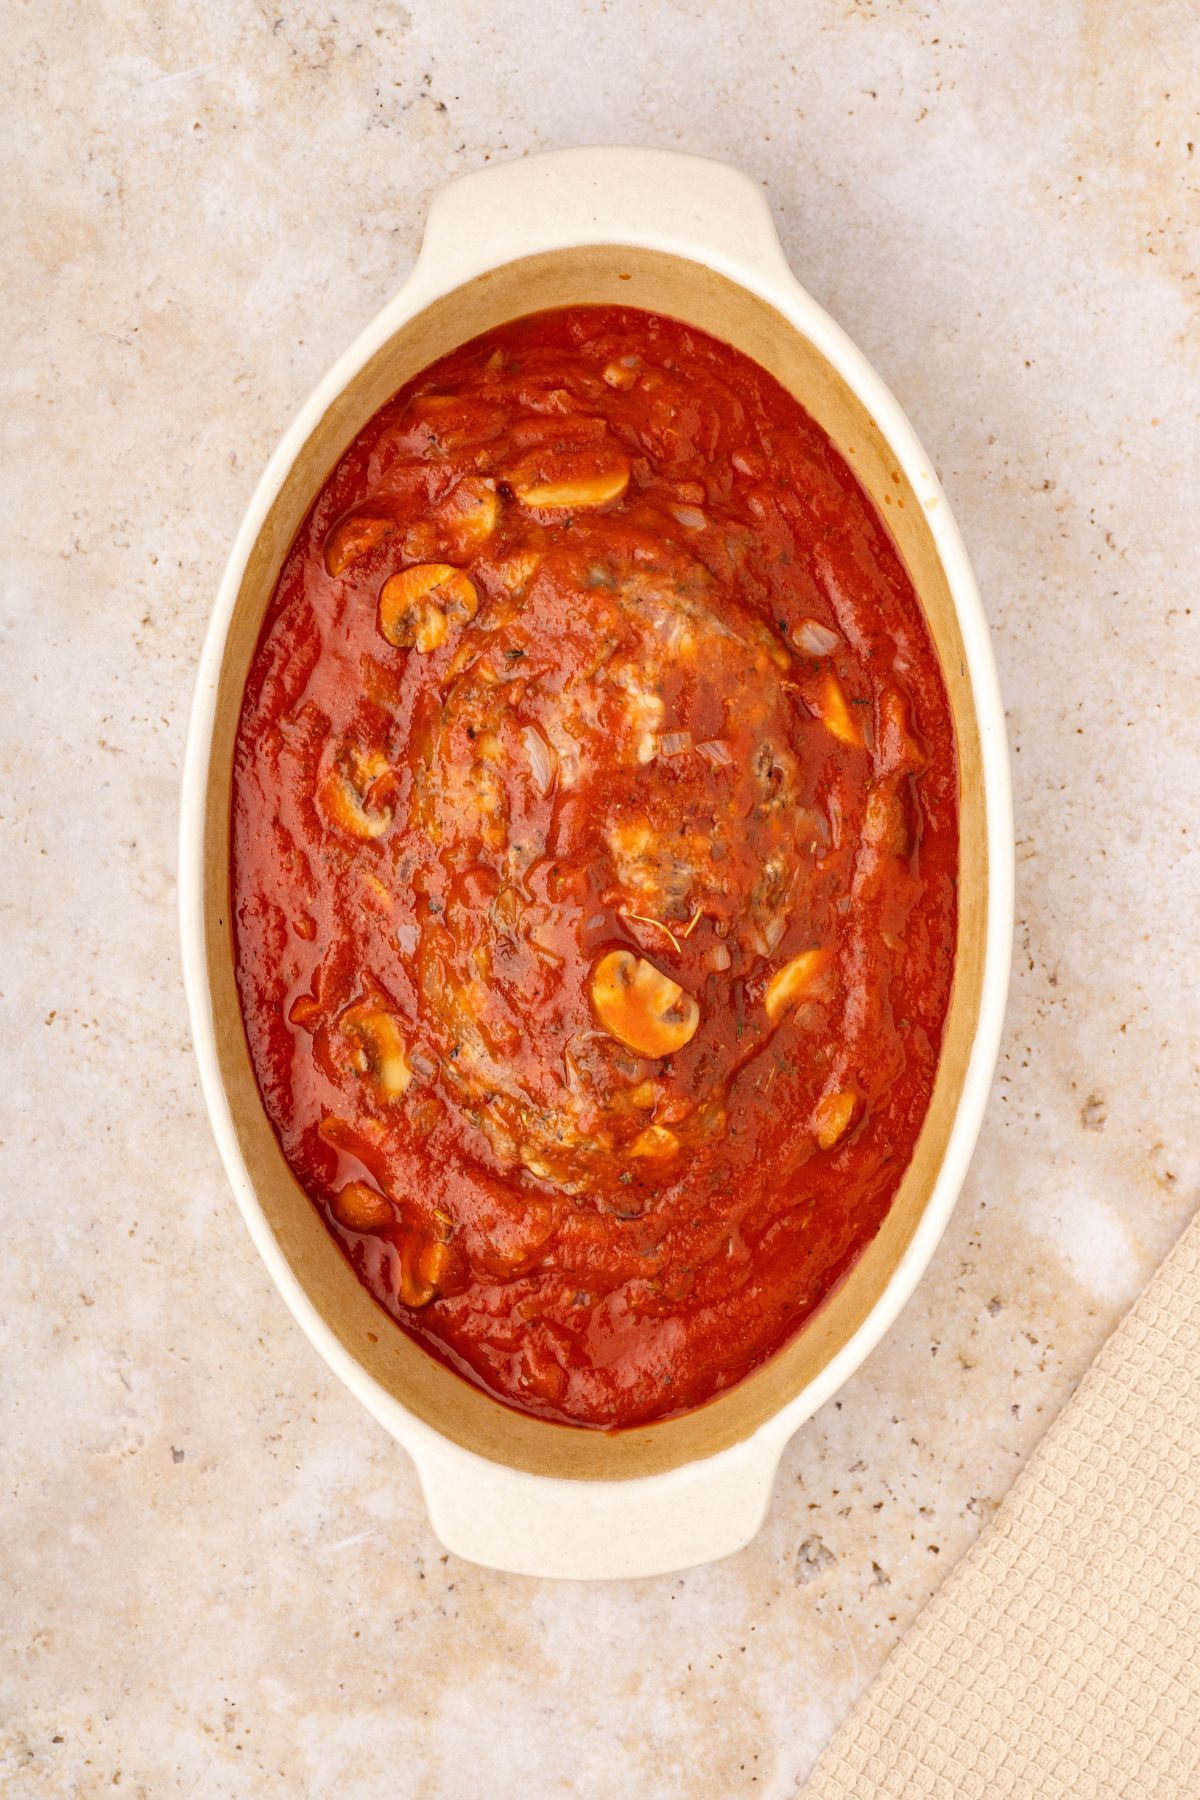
x,y
661,199
597,1530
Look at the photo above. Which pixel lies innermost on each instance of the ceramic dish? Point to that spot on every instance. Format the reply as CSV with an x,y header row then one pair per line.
x,y
692,239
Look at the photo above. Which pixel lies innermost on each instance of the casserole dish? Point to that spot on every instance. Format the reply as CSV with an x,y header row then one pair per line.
x,y
691,239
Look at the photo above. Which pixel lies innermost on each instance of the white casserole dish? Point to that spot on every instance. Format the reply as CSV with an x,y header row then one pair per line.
x,y
692,238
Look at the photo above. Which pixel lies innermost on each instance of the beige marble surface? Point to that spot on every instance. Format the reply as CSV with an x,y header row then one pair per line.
x,y
217,1574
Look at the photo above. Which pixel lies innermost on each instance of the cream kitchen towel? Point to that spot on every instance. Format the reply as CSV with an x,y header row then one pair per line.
x,y
1062,1656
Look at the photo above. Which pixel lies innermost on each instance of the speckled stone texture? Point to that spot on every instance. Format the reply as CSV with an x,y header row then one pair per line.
x,y
218,1577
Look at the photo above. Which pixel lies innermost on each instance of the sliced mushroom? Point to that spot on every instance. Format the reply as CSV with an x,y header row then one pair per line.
x,y
897,750
360,1207
835,712
417,606
424,1265
344,793
656,1142
576,481
456,419
468,515
885,821
832,1116
457,525
792,982
519,569
352,539
640,1006
380,1050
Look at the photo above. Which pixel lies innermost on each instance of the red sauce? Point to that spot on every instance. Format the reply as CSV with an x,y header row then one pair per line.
x,y
594,859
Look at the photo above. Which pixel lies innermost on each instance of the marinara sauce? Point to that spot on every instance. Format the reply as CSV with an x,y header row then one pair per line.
x,y
594,855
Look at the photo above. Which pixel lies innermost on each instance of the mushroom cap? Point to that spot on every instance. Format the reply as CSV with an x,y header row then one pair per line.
x,y
641,1007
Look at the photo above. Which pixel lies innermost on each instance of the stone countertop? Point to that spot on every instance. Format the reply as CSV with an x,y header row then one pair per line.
x,y
218,1573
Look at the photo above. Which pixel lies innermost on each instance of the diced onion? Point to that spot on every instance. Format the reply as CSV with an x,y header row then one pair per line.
x,y
544,948
674,743
717,752
773,931
814,639
814,827
690,516
718,958
543,761
623,372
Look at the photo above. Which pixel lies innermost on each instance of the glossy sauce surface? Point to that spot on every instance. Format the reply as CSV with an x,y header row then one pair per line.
x,y
594,856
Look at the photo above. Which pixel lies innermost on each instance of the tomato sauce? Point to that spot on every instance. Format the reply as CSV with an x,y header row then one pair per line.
x,y
594,857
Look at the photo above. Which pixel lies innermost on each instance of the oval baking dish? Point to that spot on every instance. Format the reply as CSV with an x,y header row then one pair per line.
x,y
691,239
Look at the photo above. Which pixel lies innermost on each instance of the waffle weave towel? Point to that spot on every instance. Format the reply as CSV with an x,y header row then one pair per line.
x,y
1062,1656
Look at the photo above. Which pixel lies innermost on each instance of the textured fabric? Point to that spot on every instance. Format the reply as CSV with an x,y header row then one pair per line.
x,y
1062,1656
